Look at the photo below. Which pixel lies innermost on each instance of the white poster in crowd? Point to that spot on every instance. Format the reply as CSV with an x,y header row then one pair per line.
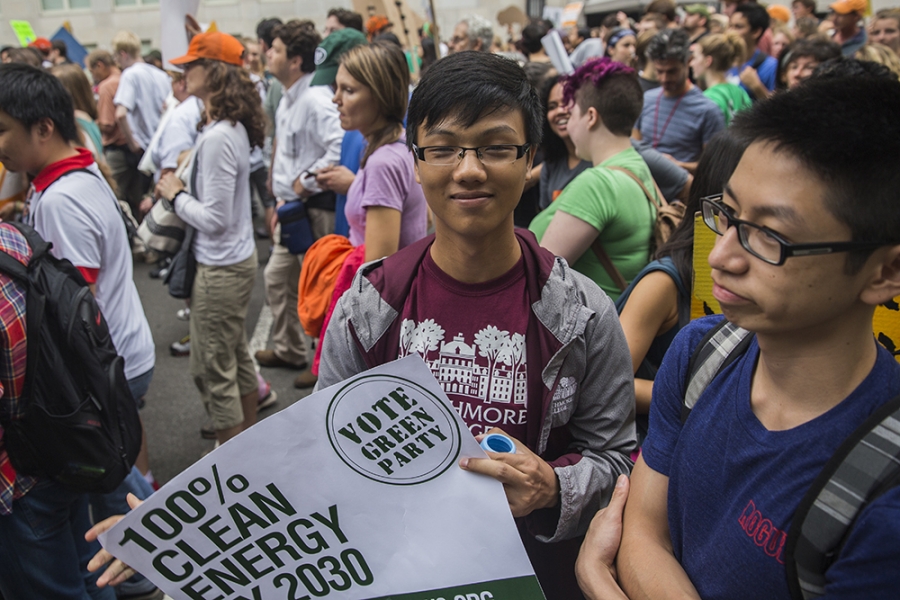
x,y
571,14
351,493
173,39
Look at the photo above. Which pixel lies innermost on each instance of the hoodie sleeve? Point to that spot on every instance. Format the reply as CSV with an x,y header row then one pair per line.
x,y
594,399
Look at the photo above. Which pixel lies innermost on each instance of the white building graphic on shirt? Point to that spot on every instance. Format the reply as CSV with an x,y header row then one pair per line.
x,y
492,368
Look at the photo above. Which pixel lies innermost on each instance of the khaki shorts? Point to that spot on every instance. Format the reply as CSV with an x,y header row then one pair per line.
x,y
220,361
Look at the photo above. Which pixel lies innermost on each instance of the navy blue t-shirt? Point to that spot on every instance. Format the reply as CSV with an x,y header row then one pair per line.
x,y
734,485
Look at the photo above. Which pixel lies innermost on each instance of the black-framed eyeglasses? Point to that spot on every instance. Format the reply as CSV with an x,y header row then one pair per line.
x,y
495,154
764,243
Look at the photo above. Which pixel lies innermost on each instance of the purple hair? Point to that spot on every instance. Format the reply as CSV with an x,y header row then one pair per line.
x,y
594,71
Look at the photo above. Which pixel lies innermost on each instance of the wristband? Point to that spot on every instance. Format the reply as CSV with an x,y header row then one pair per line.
x,y
180,192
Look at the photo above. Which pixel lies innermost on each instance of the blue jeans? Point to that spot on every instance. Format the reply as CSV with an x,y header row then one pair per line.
x,y
43,553
140,384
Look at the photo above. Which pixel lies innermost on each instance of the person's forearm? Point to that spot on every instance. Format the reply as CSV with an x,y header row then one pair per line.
x,y
600,585
690,167
759,91
125,128
666,580
643,390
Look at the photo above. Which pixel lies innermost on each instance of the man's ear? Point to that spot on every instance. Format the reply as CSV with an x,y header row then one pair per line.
x,y
416,168
593,118
44,129
529,160
884,286
297,61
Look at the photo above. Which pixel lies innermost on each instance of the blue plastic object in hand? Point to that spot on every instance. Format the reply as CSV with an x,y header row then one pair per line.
x,y
497,442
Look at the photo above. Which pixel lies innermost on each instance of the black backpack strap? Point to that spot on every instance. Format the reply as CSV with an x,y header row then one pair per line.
x,y
39,247
721,346
865,466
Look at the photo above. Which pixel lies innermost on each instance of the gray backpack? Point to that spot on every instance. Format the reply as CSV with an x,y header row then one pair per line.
x,y
865,466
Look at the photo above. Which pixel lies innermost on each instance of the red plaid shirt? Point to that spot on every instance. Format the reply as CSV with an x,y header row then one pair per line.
x,y
12,362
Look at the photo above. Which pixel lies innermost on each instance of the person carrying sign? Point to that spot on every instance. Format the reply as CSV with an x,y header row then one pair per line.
x,y
519,342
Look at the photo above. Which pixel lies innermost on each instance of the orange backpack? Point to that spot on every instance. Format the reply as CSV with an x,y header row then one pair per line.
x,y
321,267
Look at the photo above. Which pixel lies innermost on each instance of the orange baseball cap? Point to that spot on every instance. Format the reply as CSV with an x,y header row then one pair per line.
x,y
376,23
42,44
779,12
213,45
845,7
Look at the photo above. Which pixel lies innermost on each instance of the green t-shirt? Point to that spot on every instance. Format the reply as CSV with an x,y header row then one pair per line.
x,y
730,99
615,205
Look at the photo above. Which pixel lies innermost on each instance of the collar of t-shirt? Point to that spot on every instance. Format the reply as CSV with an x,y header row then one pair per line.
x,y
54,171
493,286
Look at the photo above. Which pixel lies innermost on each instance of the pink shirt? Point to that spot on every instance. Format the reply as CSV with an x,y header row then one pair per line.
x,y
388,179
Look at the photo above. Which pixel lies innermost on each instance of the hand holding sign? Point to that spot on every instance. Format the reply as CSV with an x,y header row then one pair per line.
x,y
118,571
529,481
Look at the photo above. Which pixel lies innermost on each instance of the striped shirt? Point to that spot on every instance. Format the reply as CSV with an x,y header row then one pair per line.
x,y
681,126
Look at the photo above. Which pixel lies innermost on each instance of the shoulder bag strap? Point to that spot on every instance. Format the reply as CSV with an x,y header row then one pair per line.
x,y
608,265
657,203
865,466
721,346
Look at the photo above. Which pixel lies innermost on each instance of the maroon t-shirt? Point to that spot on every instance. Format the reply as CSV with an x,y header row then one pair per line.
x,y
472,337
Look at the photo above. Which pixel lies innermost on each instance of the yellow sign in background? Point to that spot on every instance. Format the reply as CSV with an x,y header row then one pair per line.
x,y
886,323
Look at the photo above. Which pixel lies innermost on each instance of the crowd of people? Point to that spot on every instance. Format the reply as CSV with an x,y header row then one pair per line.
x,y
492,206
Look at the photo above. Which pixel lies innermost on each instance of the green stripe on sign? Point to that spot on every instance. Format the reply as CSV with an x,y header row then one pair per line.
x,y
519,588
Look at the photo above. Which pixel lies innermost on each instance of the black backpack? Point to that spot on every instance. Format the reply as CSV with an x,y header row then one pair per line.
x,y
864,466
80,425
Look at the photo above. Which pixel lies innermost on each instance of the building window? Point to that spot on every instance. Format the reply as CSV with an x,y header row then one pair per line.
x,y
124,3
65,4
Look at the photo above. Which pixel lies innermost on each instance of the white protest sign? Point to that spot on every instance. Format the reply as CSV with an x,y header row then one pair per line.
x,y
173,37
351,493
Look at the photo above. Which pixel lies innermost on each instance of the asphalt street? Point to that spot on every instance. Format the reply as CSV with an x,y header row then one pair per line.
x,y
174,414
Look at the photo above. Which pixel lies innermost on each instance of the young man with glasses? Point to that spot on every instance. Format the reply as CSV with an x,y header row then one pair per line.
x,y
519,341
808,247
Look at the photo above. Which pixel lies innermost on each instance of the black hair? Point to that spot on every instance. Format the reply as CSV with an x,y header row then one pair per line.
x,y
810,4
536,72
817,48
554,147
28,95
429,53
584,32
467,86
264,30
821,50
60,46
854,154
757,17
347,18
388,37
610,21
301,39
718,161
531,37
844,66
666,8
670,44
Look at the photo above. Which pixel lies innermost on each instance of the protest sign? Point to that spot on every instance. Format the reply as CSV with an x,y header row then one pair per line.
x,y
173,41
24,32
351,493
